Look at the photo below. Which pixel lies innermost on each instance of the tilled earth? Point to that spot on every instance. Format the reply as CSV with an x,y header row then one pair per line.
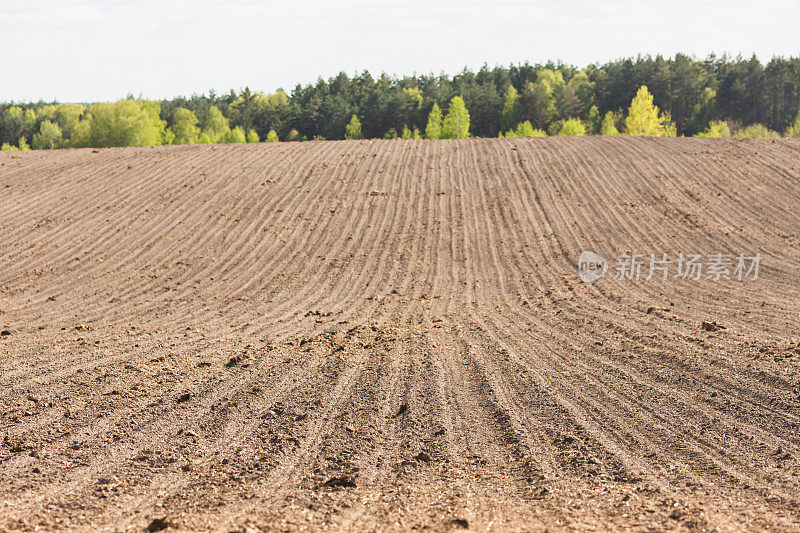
x,y
392,335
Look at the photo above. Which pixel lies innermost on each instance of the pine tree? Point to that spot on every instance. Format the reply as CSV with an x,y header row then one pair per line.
x,y
406,133
252,136
272,137
456,123
353,129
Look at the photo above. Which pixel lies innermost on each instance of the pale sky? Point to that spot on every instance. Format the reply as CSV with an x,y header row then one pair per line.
x,y
96,50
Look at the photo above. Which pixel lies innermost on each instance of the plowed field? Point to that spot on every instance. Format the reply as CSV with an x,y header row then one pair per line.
x,y
392,335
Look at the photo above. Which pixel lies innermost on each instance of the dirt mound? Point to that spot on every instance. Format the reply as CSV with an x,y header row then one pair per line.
x,y
394,335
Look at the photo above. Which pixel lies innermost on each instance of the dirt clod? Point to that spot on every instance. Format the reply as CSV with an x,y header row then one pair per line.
x,y
403,408
158,524
344,481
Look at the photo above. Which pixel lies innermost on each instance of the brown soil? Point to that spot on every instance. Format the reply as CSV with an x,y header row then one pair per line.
x,y
392,335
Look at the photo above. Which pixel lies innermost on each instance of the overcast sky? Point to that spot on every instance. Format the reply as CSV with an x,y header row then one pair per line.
x,y
93,50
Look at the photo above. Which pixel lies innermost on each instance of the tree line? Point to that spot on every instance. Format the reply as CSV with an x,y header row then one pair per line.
x,y
716,96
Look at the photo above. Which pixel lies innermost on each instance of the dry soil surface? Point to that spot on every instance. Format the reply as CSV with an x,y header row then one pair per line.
x,y
392,335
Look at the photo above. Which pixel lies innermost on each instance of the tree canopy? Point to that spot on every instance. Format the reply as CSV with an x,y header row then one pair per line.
x,y
353,129
644,117
687,96
456,123
124,123
434,128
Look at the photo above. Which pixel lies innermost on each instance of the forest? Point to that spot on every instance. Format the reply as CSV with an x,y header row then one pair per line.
x,y
647,95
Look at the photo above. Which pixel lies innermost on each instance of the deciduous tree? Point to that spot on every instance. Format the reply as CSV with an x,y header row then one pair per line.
x,y
573,127
215,127
434,128
716,128
48,137
126,123
184,127
644,118
608,127
353,129
525,129
456,123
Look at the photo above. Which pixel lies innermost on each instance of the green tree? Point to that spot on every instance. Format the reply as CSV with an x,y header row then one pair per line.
x,y
353,129
524,129
406,133
702,109
415,95
252,136
755,131
216,128
608,127
644,119
434,128
293,135
670,128
48,137
583,89
456,123
391,134
794,129
126,123
539,99
23,144
184,127
236,135
81,134
16,123
716,128
67,116
272,137
593,120
6,147
511,114
573,127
